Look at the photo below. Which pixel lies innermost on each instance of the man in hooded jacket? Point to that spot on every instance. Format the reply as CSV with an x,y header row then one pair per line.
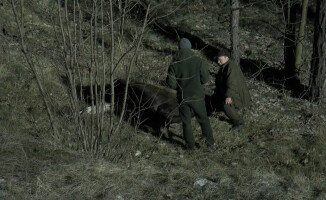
x,y
187,74
231,91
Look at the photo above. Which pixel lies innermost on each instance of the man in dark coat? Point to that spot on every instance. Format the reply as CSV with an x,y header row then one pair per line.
x,y
186,74
231,91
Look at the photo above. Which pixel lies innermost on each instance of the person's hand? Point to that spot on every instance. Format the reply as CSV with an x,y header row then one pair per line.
x,y
228,100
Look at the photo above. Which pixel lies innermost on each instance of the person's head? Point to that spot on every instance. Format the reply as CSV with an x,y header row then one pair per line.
x,y
223,57
184,43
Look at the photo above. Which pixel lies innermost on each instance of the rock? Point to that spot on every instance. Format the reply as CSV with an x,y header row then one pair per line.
x,y
202,182
138,153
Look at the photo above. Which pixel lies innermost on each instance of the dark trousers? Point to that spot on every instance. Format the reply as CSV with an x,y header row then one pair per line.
x,y
231,110
232,113
199,110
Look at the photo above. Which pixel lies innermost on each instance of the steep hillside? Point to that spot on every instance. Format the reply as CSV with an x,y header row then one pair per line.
x,y
279,155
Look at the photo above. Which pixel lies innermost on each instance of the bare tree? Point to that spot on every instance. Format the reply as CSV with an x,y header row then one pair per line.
x,y
318,63
87,53
235,31
290,8
32,65
122,6
0,24
89,129
91,58
299,46
129,69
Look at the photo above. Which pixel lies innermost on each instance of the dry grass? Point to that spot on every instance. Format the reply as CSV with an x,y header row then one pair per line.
x,y
279,155
265,161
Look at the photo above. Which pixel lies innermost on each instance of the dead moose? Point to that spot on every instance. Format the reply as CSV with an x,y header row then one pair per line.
x,y
147,105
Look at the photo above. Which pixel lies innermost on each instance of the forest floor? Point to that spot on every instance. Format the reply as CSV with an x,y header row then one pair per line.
x,y
280,154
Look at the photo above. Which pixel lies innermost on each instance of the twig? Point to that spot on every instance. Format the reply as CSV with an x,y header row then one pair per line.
x,y
33,67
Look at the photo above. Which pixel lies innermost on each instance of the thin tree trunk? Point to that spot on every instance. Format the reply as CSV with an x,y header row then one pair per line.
x,y
111,126
131,66
289,39
298,51
103,78
235,31
318,63
1,31
20,24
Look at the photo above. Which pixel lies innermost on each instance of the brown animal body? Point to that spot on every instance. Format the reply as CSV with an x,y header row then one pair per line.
x,y
153,105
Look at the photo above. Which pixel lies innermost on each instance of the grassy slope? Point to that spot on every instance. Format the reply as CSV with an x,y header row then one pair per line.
x,y
280,154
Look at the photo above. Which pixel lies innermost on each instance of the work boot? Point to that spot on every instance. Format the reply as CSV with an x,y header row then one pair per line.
x,y
211,147
189,148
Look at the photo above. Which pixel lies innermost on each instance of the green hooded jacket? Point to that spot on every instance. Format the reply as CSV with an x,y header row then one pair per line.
x,y
186,74
230,82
